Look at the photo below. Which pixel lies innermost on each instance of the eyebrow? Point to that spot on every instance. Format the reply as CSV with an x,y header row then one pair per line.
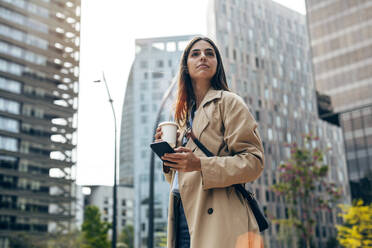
x,y
197,50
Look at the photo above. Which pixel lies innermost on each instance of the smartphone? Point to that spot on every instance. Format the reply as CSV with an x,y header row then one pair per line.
x,y
160,148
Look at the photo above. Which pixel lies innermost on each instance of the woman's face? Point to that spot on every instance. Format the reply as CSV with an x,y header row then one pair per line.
x,y
202,61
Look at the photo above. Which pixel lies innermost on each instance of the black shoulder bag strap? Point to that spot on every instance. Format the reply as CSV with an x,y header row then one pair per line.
x,y
261,219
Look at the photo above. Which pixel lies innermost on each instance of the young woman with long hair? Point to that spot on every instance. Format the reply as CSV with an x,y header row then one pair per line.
x,y
205,211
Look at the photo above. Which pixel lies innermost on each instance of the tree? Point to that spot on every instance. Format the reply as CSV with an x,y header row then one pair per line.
x,y
304,185
94,230
25,240
127,236
357,228
73,239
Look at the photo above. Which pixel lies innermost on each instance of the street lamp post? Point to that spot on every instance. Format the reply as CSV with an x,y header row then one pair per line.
x,y
114,193
150,238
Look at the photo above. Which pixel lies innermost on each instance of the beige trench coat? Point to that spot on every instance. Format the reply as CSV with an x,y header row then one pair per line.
x,y
217,216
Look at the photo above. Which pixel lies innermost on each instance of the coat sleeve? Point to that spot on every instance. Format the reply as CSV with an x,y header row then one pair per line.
x,y
246,160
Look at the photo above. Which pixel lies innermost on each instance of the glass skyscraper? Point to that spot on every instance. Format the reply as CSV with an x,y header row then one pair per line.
x,y
39,70
341,43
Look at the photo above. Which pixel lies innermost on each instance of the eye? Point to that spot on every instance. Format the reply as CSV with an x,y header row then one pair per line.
x,y
194,54
210,53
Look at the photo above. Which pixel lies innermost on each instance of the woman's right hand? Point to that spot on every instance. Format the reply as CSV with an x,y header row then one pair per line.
x,y
158,135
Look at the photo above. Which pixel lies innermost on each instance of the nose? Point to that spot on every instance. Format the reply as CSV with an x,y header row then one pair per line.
x,y
202,56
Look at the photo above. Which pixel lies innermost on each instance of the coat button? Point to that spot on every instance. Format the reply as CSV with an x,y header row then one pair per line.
x,y
210,210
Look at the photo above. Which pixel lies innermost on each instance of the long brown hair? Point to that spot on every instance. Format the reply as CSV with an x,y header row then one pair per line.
x,y
185,91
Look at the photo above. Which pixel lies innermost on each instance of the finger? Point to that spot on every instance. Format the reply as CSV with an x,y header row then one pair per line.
x,y
174,155
158,135
182,149
174,160
175,166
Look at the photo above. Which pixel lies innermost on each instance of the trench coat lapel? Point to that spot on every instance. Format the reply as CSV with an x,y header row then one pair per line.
x,y
202,117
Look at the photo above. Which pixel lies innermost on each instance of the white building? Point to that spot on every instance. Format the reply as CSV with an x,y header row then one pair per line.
x,y
101,196
155,65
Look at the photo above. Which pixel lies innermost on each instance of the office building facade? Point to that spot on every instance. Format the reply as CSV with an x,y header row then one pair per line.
x,y
101,197
266,55
341,43
154,68
39,70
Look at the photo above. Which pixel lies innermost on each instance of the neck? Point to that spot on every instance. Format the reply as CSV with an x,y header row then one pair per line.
x,y
200,90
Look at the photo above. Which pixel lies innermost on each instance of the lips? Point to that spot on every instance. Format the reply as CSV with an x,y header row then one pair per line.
x,y
202,66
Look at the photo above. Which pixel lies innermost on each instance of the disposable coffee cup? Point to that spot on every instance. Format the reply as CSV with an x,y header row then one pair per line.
x,y
169,130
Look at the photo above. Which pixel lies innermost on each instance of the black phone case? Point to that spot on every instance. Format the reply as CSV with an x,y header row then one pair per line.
x,y
160,148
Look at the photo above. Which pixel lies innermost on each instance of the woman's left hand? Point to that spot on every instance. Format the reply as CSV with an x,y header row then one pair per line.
x,y
184,159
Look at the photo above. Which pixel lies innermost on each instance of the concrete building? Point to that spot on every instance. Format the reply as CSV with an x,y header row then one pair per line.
x,y
39,70
267,58
154,67
78,206
101,196
341,43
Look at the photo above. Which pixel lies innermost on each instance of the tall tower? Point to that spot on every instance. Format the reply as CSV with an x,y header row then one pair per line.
x,y
341,43
39,58
266,55
155,66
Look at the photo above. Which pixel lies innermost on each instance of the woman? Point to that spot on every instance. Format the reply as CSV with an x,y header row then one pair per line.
x,y
204,210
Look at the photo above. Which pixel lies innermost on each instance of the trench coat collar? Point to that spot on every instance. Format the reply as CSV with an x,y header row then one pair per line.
x,y
210,96
202,117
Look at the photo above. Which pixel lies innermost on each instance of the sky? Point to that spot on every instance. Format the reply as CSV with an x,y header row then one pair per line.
x,y
107,36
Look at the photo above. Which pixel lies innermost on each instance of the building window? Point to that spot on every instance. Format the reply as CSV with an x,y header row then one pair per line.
x,y
9,106
105,211
160,63
10,85
143,108
157,74
9,125
123,202
270,133
257,115
9,144
171,47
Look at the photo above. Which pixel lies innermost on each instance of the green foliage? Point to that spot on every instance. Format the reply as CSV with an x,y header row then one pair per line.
x,y
73,239
48,240
94,230
357,228
25,240
161,239
127,236
299,180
